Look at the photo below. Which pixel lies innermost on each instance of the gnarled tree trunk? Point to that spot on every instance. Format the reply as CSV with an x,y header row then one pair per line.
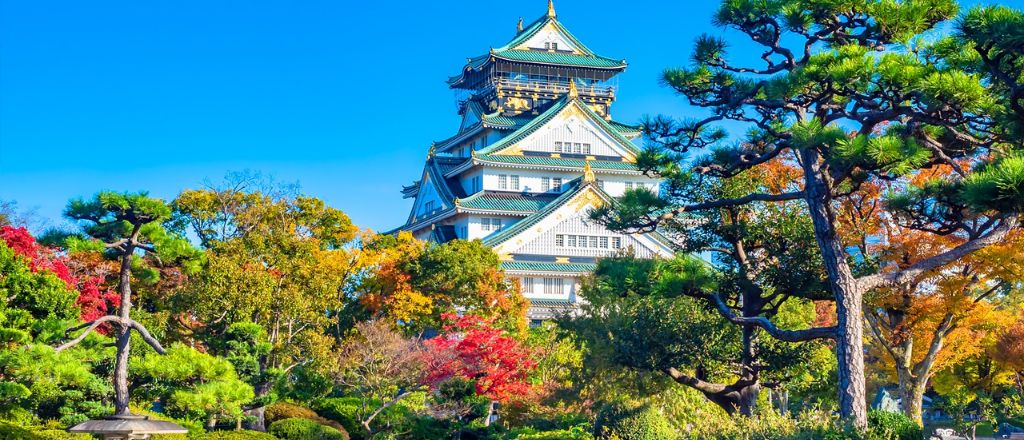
x,y
848,295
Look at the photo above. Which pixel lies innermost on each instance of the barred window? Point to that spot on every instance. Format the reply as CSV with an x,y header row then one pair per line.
x,y
552,286
617,242
572,241
558,147
556,184
629,185
502,181
604,242
515,182
594,242
586,148
545,184
485,224
496,224
527,285
560,240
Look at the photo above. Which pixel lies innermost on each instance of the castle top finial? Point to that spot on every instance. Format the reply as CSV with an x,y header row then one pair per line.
x,y
588,173
573,92
551,8
519,27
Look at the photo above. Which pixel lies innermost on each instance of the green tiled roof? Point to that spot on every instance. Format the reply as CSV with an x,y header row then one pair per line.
x,y
526,223
506,201
540,266
626,129
508,52
498,120
561,162
549,302
559,58
550,113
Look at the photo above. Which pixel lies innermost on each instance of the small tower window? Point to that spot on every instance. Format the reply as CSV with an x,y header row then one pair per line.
x,y
515,182
556,184
502,181
545,184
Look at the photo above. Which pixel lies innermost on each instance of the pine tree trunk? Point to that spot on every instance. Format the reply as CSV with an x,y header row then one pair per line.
x,y
124,335
259,414
848,297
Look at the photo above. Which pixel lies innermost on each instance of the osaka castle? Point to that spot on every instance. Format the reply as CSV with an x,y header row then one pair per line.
x,y
537,149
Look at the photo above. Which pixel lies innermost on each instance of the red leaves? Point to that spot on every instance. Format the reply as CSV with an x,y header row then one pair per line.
x,y
94,300
471,348
40,258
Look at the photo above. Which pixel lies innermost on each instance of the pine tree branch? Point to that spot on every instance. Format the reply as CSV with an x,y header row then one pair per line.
x,y
89,327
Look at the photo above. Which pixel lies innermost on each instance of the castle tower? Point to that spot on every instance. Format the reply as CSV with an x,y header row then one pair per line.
x,y
536,150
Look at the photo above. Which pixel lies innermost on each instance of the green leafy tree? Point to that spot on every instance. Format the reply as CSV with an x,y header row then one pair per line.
x,y
276,264
39,382
127,225
642,314
193,385
837,96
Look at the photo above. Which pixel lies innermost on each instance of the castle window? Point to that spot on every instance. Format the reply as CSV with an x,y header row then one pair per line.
x,y
593,242
527,285
556,183
582,241
485,224
496,223
617,242
600,184
629,185
502,181
560,240
572,241
586,148
604,242
558,147
515,182
552,286
545,184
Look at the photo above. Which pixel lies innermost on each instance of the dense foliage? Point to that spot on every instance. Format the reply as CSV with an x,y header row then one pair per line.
x,y
876,188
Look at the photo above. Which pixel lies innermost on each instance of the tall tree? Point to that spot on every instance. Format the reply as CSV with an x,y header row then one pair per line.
x,y
839,97
278,260
126,224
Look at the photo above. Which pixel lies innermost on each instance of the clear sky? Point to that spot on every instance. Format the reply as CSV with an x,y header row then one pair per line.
x,y
343,97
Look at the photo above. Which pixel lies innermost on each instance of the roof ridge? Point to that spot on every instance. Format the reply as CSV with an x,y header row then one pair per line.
x,y
550,113
517,227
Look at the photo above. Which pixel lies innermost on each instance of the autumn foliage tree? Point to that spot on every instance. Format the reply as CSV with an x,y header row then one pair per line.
x,y
471,348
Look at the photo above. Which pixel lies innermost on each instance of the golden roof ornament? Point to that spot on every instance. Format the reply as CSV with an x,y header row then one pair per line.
x,y
519,27
430,152
573,92
551,8
588,173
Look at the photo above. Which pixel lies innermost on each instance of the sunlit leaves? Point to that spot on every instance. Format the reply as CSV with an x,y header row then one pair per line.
x,y
997,186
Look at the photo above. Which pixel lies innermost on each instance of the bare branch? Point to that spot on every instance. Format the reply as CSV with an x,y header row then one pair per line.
x,y
899,277
147,337
91,326
770,327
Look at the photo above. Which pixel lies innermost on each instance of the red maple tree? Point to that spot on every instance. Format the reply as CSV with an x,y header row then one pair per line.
x,y
470,347
93,299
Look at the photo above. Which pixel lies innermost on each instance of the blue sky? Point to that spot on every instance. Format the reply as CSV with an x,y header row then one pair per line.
x,y
342,97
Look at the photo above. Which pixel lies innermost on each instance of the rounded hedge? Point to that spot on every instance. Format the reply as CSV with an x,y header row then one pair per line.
x,y
633,423
304,429
236,435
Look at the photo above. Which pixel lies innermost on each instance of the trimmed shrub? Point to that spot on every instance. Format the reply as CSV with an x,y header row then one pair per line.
x,y
286,410
342,410
577,433
304,429
640,423
236,435
885,425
